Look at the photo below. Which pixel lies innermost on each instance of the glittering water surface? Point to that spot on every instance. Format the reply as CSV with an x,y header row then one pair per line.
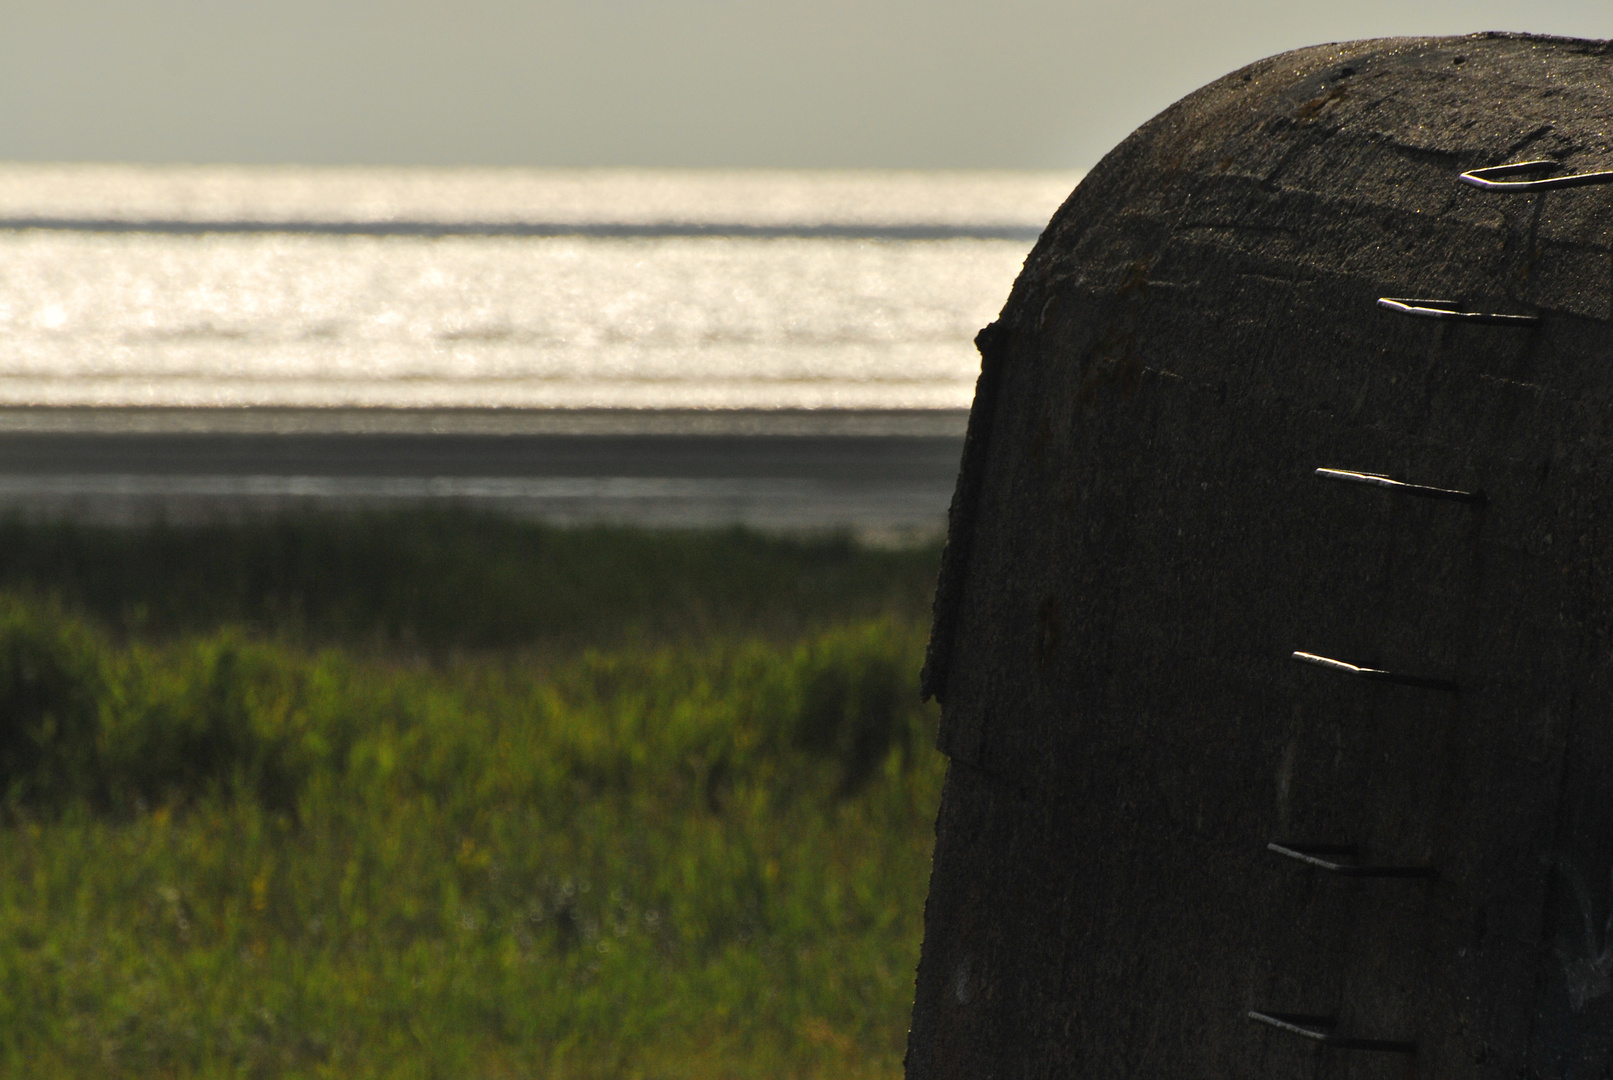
x,y
92,317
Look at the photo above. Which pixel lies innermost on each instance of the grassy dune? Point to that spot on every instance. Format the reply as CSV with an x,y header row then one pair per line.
x,y
279,851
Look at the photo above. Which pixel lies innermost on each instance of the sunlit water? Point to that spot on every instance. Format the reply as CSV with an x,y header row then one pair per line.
x,y
166,318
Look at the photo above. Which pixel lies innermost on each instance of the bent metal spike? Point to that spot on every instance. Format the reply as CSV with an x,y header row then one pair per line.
x,y
1451,311
1400,678
1320,1029
1400,487
1495,177
1327,857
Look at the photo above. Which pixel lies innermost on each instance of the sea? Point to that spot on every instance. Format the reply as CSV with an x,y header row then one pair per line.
x,y
141,287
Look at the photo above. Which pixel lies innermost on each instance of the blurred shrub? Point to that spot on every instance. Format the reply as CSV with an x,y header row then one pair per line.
x,y
52,685
221,713
121,727
856,703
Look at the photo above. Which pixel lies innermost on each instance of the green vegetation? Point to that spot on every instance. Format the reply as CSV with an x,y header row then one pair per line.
x,y
435,580
262,852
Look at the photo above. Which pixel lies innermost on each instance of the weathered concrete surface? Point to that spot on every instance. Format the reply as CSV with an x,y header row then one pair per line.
x,y
1138,544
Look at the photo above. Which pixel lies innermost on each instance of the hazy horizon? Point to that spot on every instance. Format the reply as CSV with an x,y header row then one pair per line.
x,y
1017,84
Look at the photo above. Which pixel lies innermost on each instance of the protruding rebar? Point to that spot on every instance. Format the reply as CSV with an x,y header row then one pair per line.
x,y
1320,1028
1422,491
1316,855
1451,310
1490,179
1424,681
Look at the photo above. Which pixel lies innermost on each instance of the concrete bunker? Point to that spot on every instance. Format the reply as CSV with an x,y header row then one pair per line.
x,y
1275,629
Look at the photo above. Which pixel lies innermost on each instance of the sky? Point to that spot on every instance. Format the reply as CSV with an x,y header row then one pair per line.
x,y
1006,84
